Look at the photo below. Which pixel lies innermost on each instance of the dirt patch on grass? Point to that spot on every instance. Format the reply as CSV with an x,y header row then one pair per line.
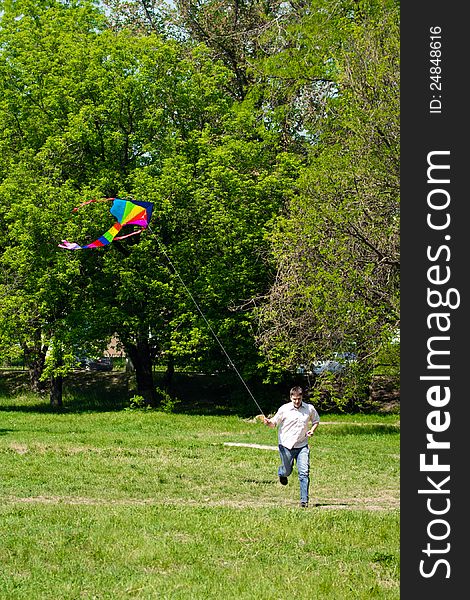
x,y
19,448
367,504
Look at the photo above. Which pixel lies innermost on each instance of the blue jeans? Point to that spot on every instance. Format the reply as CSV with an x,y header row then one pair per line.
x,y
302,458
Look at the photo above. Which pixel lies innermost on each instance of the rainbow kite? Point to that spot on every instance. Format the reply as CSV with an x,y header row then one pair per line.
x,y
127,212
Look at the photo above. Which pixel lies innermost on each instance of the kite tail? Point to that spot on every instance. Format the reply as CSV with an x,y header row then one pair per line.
x,y
90,201
122,237
69,245
103,240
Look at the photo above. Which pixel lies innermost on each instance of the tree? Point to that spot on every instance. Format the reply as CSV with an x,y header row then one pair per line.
x,y
233,31
35,105
36,291
142,17
121,114
219,193
337,251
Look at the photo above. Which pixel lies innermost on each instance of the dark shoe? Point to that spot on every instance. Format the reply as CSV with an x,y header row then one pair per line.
x,y
304,504
282,480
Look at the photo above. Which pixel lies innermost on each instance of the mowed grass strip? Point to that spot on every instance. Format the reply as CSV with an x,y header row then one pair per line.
x,y
115,552
144,504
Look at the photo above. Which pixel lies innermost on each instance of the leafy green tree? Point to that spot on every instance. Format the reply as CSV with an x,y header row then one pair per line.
x,y
233,30
37,42
337,251
88,113
142,17
220,196
37,284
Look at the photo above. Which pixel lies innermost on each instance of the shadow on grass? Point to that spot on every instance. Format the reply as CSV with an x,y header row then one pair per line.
x,y
72,406
363,429
82,392
193,394
260,481
13,382
320,504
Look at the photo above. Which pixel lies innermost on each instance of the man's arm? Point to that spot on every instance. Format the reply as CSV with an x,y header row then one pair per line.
x,y
274,421
312,429
315,419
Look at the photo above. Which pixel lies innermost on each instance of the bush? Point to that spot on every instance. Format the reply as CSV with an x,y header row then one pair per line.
x,y
137,402
167,403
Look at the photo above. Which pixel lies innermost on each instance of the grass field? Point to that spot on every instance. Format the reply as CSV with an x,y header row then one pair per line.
x,y
115,504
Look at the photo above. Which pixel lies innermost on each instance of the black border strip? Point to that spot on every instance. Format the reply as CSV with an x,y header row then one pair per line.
x,y
435,343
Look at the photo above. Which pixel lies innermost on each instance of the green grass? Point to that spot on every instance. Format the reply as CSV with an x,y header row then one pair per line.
x,y
143,504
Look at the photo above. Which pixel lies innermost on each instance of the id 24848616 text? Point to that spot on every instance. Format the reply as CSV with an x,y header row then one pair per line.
x,y
435,70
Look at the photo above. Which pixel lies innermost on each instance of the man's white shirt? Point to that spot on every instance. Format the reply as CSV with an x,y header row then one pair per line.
x,y
293,424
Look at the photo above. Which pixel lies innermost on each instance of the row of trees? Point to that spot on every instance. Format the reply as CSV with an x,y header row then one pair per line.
x,y
266,136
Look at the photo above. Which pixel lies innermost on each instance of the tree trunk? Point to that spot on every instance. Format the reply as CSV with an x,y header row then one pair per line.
x,y
35,358
35,370
140,356
55,394
167,380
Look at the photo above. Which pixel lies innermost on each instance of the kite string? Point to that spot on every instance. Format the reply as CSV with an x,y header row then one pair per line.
x,y
216,337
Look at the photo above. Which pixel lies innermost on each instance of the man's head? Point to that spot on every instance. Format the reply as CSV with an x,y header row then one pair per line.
x,y
296,395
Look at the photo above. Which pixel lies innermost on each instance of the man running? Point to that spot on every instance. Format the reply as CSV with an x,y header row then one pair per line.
x,y
297,421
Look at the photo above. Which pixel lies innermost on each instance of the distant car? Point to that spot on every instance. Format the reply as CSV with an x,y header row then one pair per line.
x,y
104,363
335,365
